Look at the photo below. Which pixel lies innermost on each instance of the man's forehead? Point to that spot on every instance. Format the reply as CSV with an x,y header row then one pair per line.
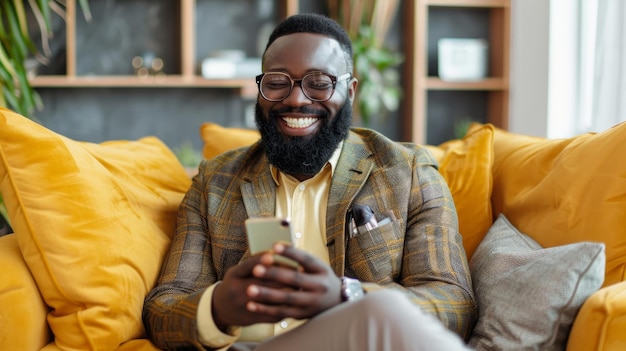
x,y
311,48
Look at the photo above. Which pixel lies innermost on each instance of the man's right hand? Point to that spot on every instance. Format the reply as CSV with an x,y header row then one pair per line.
x,y
231,296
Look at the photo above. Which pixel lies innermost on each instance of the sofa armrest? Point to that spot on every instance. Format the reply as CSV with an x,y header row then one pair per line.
x,y
601,321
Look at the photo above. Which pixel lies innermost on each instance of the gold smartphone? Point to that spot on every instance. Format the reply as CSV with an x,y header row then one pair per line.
x,y
263,232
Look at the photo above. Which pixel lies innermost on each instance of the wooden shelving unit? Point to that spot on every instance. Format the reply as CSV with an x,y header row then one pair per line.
x,y
419,83
188,78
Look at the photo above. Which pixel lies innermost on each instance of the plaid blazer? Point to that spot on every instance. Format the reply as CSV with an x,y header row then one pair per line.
x,y
420,252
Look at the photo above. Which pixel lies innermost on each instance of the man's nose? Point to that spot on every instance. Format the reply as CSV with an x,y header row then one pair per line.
x,y
297,97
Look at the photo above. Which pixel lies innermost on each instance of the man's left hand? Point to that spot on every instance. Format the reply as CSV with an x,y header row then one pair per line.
x,y
316,288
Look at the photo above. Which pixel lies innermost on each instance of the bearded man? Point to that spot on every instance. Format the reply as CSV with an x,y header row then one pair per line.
x,y
399,282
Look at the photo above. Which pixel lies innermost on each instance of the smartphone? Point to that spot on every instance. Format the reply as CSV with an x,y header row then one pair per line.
x,y
263,232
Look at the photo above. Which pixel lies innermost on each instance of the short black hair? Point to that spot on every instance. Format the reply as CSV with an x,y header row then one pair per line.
x,y
317,24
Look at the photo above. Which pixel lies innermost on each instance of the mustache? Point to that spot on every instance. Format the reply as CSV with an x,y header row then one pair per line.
x,y
302,110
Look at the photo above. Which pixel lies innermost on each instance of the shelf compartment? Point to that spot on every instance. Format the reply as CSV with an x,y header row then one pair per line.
x,y
450,109
430,20
121,30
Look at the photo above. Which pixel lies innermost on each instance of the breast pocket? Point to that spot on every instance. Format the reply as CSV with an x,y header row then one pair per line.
x,y
376,255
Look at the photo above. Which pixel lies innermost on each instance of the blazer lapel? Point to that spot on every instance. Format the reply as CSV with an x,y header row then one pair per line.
x,y
259,190
353,169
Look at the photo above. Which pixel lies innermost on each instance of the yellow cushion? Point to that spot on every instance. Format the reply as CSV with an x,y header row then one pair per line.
x,y
22,311
218,139
601,321
566,190
466,165
93,222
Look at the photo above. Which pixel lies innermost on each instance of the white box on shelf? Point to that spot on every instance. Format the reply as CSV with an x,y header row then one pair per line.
x,y
218,68
462,59
230,67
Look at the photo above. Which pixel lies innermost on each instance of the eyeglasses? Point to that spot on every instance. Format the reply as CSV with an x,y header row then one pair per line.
x,y
316,86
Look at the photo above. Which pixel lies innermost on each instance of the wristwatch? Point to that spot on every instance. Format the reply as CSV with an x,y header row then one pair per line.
x,y
351,289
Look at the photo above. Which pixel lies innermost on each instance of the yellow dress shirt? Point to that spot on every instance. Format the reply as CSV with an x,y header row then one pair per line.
x,y
305,204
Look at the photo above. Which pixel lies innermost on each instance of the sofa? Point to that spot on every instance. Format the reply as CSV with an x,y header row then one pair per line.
x,y
543,223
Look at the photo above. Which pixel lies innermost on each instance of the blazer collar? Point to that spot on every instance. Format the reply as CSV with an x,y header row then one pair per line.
x,y
258,189
354,167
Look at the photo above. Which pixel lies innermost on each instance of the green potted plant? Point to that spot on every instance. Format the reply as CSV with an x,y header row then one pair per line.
x,y
375,66
16,45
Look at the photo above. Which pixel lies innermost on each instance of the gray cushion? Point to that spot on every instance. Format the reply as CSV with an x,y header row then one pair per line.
x,y
528,296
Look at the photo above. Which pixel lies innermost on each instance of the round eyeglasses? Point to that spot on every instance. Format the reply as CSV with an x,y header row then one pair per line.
x,y
316,86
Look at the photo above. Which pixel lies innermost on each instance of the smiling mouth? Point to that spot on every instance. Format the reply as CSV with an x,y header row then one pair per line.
x,y
299,123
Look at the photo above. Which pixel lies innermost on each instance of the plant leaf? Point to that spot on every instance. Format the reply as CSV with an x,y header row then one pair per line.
x,y
15,34
84,5
6,63
21,17
44,9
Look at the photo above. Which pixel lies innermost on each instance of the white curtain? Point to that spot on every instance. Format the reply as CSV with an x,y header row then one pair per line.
x,y
602,64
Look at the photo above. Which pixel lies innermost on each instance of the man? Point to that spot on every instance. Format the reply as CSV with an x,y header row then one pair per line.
x,y
359,287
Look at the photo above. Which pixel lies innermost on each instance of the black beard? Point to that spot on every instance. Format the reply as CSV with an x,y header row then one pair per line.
x,y
303,155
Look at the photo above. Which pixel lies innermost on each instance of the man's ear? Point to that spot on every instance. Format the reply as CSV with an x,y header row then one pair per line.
x,y
352,90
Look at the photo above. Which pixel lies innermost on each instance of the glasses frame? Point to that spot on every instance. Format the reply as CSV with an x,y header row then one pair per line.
x,y
333,79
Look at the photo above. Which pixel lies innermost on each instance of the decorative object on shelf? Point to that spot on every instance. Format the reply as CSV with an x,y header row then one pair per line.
x,y
462,59
148,65
230,64
16,45
375,66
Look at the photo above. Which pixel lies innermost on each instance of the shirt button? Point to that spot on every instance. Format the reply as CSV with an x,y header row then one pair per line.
x,y
284,324
298,235
302,186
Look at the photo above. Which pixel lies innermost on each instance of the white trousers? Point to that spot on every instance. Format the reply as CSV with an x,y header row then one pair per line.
x,y
381,321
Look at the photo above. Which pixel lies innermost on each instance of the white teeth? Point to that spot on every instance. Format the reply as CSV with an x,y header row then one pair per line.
x,y
299,122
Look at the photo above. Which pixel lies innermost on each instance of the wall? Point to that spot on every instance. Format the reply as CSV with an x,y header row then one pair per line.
x,y
530,21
